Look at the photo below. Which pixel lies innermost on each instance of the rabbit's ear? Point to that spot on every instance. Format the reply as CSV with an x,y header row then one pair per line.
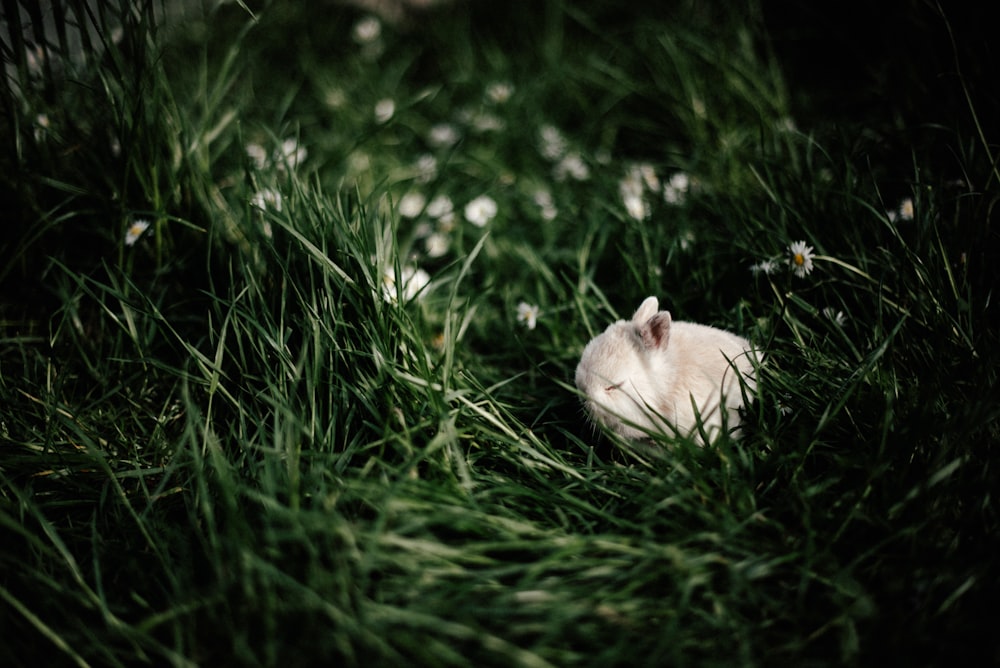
x,y
655,332
647,309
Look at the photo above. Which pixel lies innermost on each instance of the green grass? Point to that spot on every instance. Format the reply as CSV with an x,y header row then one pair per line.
x,y
235,442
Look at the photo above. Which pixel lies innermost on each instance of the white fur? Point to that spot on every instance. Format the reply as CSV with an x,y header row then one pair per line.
x,y
652,374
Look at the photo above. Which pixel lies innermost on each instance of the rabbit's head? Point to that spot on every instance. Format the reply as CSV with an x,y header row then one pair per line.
x,y
622,373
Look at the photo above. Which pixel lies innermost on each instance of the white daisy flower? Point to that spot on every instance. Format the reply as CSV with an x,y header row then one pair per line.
x,y
42,125
481,210
631,190
135,231
335,98
543,199
836,317
367,30
266,199
635,206
631,183
484,122
437,244
384,110
257,155
675,191
440,207
573,166
528,314
443,135
499,92
446,214
290,154
766,267
446,223
553,144
412,204
905,210
800,258
426,167
647,173
413,280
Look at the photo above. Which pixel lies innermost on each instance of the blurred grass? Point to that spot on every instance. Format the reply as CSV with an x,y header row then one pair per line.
x,y
247,440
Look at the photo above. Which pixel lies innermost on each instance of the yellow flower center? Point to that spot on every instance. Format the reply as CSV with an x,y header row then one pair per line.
x,y
799,259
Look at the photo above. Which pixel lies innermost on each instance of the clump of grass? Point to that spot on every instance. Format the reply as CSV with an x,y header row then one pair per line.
x,y
299,419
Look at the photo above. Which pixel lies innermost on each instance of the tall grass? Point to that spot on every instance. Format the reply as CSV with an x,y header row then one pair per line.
x,y
299,420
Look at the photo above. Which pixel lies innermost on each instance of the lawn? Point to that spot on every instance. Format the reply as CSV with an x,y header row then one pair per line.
x,y
292,295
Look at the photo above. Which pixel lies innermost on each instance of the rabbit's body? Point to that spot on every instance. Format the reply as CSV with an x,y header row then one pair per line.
x,y
653,374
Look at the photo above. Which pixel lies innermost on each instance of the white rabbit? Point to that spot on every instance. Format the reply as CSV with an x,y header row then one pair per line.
x,y
651,374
